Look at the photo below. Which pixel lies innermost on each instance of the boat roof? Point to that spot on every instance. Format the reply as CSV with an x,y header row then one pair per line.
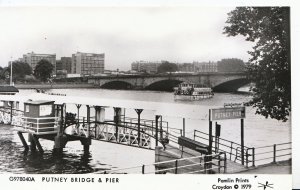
x,y
8,89
164,109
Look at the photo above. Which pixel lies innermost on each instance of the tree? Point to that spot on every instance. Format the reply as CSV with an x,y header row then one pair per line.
x,y
167,67
270,65
20,70
43,70
231,65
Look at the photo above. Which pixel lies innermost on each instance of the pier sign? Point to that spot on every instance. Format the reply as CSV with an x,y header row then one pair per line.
x,y
228,113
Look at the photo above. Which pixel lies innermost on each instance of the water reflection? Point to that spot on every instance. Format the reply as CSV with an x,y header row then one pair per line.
x,y
15,159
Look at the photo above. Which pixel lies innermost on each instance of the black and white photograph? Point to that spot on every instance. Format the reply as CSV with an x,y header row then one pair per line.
x,y
189,90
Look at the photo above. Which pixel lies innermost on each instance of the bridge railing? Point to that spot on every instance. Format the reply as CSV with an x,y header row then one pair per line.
x,y
204,164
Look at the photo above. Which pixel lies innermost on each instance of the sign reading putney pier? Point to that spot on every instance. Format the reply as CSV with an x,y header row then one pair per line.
x,y
228,113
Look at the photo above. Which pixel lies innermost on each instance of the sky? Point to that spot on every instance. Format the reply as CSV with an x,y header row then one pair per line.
x,y
125,33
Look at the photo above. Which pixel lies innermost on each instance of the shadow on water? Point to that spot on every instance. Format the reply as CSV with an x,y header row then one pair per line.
x,y
14,159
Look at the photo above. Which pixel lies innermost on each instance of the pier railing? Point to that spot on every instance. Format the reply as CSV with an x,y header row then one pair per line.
x,y
252,156
270,154
45,125
232,149
204,164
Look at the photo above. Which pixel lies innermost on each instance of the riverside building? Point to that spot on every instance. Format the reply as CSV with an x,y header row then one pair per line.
x,y
87,64
145,66
33,58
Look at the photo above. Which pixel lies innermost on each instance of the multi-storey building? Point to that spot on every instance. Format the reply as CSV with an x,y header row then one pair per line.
x,y
203,67
145,66
87,63
186,67
33,58
65,65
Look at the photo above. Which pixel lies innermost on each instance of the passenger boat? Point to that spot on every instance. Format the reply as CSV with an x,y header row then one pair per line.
x,y
191,91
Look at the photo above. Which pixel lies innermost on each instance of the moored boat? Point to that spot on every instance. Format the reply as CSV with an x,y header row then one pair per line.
x,y
191,91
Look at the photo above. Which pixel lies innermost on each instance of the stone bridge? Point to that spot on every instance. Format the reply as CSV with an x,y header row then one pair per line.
x,y
226,82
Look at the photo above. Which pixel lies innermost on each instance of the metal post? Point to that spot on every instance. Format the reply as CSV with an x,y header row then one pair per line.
x,y
242,141
11,72
161,129
225,163
156,129
62,120
205,164
11,110
216,138
88,119
139,111
274,153
247,158
176,166
253,156
210,142
143,169
78,108
183,126
219,163
117,121
230,151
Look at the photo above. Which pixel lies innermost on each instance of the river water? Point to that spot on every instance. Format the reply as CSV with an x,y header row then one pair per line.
x,y
259,131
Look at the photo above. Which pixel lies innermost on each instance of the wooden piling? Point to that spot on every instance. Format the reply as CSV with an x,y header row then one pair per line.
x,y
36,141
23,140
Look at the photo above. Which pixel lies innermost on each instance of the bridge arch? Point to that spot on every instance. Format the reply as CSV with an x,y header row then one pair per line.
x,y
164,85
231,85
117,84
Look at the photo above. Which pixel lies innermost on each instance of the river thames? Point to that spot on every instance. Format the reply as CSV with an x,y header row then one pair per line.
x,y
259,131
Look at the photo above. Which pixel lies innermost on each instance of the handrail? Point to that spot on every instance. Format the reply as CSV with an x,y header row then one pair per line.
x,y
190,163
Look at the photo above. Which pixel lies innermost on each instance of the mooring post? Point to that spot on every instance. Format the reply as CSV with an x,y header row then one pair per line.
x,y
156,129
139,111
32,143
60,139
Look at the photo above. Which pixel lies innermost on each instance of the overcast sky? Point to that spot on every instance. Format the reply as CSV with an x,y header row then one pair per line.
x,y
124,34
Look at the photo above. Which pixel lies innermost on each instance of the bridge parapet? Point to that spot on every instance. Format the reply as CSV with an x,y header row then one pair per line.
x,y
145,81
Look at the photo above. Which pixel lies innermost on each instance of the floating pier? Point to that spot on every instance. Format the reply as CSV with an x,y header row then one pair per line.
x,y
45,116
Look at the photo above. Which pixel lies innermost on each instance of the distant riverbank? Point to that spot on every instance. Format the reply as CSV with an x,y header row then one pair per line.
x,y
54,86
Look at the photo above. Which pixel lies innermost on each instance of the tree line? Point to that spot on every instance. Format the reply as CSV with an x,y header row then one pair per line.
x,y
22,72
